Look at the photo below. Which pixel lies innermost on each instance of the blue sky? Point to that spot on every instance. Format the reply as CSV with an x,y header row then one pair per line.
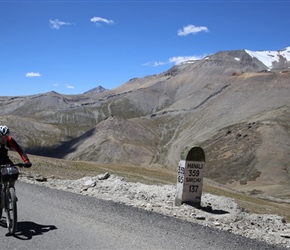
x,y
73,46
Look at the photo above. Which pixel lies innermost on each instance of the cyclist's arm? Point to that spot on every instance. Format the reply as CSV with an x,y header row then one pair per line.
x,y
13,144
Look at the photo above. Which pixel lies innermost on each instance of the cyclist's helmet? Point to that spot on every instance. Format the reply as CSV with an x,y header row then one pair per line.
x,y
4,130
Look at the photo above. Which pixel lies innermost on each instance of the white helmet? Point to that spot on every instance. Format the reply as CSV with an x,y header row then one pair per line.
x,y
4,130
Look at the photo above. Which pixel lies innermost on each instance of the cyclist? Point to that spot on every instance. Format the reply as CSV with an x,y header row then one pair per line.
x,y
6,143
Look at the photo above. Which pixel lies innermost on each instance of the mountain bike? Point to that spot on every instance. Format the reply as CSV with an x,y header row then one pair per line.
x,y
8,199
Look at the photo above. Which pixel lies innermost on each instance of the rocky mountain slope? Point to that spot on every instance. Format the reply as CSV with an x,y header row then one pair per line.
x,y
234,104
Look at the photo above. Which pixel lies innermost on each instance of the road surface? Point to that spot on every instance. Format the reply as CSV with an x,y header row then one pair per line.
x,y
59,220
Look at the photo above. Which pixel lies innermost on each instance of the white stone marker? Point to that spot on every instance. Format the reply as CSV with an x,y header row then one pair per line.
x,y
190,178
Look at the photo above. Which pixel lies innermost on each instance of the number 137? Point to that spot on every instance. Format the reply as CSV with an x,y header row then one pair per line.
x,y
193,189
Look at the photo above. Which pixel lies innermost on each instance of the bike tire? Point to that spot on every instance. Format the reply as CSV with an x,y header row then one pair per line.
x,y
11,210
1,200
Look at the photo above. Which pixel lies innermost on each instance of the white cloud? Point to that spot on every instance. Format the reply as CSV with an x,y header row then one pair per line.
x,y
191,29
154,64
99,20
32,74
175,60
69,86
180,59
56,24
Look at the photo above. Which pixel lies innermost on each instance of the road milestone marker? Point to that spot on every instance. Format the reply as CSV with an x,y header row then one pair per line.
x,y
190,177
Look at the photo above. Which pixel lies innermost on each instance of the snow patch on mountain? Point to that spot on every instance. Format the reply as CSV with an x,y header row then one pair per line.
x,y
269,57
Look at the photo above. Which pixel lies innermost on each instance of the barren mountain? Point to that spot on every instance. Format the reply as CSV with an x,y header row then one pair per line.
x,y
234,104
98,89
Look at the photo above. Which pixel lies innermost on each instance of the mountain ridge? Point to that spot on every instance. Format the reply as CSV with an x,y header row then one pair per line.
x,y
97,89
230,103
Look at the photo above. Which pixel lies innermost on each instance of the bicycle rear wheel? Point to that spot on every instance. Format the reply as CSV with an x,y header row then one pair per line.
x,y
11,210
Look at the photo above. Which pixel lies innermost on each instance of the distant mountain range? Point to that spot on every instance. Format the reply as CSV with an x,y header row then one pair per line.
x,y
270,59
234,104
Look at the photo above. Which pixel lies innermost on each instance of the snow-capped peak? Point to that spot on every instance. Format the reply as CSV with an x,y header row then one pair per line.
x,y
269,57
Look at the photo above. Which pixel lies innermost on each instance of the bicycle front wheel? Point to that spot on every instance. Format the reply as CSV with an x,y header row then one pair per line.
x,y
11,210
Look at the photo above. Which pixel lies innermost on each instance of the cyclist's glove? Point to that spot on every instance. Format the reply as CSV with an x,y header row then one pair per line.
x,y
27,164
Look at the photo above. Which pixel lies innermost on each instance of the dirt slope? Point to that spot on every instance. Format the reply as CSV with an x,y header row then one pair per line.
x,y
235,109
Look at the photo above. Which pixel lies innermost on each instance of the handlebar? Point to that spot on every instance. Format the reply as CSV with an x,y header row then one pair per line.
x,y
21,165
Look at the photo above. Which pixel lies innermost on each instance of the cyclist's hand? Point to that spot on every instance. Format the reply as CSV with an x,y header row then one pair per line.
x,y
27,164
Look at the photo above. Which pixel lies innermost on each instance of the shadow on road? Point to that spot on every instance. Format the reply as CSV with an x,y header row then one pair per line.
x,y
27,229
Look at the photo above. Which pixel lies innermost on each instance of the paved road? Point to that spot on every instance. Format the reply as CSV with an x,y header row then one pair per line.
x,y
55,219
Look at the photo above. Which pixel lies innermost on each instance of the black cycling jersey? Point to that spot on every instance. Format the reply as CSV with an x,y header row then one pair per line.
x,y
11,144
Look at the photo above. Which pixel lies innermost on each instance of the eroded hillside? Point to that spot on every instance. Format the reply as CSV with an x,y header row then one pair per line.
x,y
227,103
